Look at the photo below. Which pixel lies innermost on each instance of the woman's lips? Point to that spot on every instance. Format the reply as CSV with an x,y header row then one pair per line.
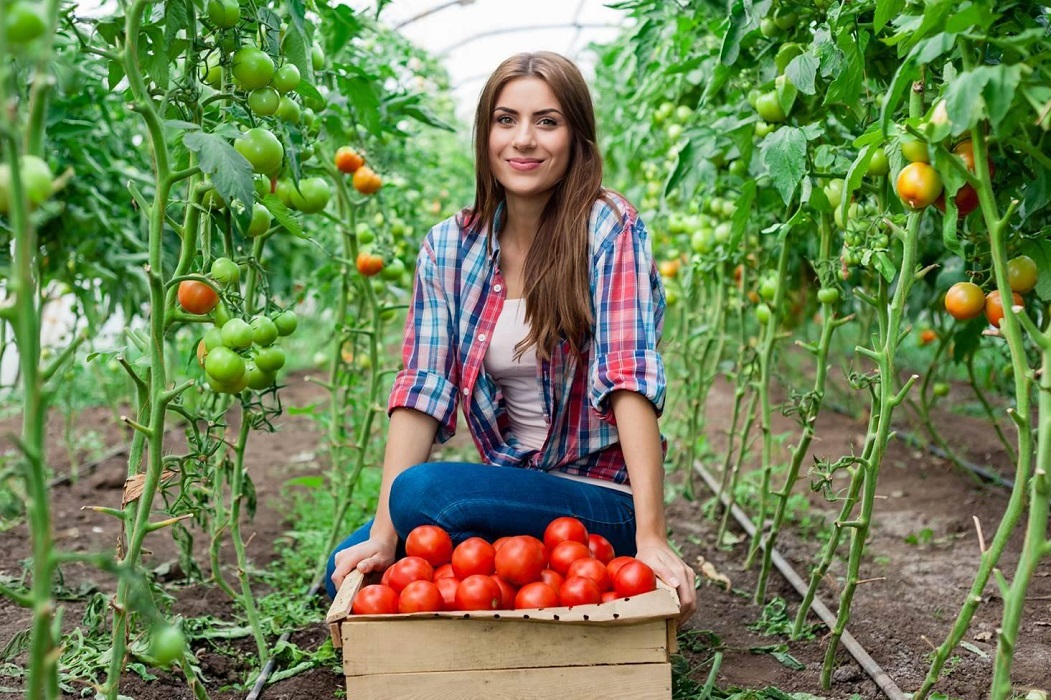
x,y
524,164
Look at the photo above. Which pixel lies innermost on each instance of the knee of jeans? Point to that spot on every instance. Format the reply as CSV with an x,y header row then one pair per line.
x,y
410,494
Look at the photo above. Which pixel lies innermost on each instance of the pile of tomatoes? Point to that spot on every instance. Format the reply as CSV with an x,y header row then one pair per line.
x,y
569,567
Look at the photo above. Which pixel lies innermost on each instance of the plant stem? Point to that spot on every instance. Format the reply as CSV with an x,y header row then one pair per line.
x,y
237,496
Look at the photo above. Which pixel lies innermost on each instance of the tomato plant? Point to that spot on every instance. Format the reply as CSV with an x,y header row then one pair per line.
x,y
1022,274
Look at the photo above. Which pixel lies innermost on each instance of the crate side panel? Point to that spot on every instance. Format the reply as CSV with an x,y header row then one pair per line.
x,y
624,682
405,646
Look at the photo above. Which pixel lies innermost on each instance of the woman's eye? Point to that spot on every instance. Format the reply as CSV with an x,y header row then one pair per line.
x,y
548,121
505,120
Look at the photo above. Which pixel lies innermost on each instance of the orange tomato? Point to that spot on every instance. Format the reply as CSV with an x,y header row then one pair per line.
x,y
369,264
994,306
348,160
366,181
927,336
964,301
919,185
197,297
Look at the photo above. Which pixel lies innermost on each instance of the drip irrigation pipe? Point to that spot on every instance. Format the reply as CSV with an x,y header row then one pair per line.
x,y
867,663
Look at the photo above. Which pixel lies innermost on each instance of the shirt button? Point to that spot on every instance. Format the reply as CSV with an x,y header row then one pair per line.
x,y
497,288
466,391
481,337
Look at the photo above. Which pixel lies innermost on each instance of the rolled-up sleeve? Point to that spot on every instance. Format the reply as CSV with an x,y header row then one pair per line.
x,y
629,312
428,382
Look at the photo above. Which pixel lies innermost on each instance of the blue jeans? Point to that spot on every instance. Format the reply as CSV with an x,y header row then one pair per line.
x,y
469,500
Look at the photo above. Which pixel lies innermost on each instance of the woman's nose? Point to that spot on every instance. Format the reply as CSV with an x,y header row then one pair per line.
x,y
524,137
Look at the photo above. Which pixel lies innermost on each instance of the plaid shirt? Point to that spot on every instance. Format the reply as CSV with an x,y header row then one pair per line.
x,y
457,298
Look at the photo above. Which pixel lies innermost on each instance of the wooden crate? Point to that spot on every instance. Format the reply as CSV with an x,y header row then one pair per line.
x,y
617,649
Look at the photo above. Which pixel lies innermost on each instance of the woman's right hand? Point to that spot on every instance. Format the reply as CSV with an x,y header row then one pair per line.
x,y
374,554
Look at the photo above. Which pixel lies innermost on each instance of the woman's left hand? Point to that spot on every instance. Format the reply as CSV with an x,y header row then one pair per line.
x,y
671,569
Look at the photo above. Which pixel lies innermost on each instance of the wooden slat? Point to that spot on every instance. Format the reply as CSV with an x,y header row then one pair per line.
x,y
466,645
627,682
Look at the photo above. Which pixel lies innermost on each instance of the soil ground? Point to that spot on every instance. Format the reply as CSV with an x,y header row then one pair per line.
x,y
920,562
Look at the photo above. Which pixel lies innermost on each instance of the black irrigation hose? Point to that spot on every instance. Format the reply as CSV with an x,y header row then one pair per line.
x,y
877,674
260,683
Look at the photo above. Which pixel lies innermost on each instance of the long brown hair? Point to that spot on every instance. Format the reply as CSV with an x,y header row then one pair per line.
x,y
557,269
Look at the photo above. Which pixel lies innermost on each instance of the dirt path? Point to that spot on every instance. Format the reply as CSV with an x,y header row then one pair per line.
x,y
921,557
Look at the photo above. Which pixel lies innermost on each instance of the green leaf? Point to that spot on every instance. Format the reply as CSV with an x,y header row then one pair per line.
x,y
848,83
885,11
115,74
176,18
902,81
283,215
743,213
949,228
986,91
784,154
788,660
885,266
802,71
684,162
230,172
1040,251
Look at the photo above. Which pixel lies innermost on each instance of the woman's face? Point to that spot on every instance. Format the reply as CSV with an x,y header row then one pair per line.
x,y
529,138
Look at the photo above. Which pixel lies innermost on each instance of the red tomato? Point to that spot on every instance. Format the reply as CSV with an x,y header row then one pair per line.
x,y
610,596
500,543
478,592
601,548
536,595
448,586
385,579
409,569
634,578
474,556
196,297
579,591
552,578
429,542
444,571
567,552
507,593
593,569
520,561
420,596
614,566
562,529
994,306
375,600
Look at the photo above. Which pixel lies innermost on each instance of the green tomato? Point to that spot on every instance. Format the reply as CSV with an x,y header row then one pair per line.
x,y
753,96
263,101
167,645
941,389
224,13
286,322
878,165
253,68
834,191
365,234
722,232
852,214
214,77
261,220
828,295
309,117
225,271
36,179
664,111
220,314
768,289
270,359
786,53
284,192
393,271
262,149
769,107
24,22
768,28
264,331
702,241
313,195
288,110
786,20
237,334
317,57
258,380
915,150
762,314
224,365
763,129
287,78
213,338
234,387
683,113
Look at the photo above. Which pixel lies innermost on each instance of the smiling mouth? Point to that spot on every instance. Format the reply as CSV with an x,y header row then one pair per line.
x,y
524,163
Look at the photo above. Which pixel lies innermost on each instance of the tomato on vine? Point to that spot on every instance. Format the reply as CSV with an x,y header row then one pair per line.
x,y
286,322
24,22
769,107
224,14
261,220
263,101
312,196
264,331
369,263
286,78
261,149
878,164
237,334
994,306
167,645
197,297
964,301
252,68
348,160
270,359
366,181
288,110
225,271
1021,274
918,185
224,365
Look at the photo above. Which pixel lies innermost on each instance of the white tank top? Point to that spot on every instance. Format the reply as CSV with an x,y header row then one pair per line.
x,y
517,378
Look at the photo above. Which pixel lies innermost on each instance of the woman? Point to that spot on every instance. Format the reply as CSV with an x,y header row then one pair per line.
x,y
539,310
